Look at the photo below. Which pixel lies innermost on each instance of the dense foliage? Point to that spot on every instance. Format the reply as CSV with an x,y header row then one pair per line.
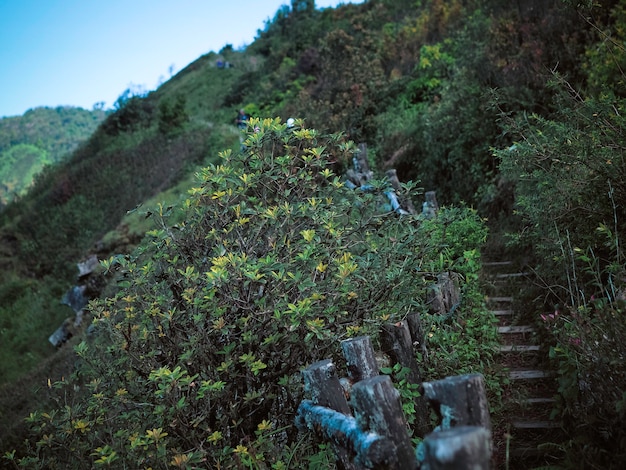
x,y
569,170
197,359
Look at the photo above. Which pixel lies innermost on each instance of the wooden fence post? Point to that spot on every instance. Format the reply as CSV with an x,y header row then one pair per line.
x,y
461,400
460,448
444,297
361,164
377,409
430,206
322,385
407,204
360,358
396,342
418,337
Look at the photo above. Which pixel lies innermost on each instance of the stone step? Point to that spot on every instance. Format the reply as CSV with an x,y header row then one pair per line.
x,y
499,299
519,348
497,263
510,275
538,400
529,374
537,424
502,313
528,452
516,329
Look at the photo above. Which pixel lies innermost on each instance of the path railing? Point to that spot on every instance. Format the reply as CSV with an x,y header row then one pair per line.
x,y
362,417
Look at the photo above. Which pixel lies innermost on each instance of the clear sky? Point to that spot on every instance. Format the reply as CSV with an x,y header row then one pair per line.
x,y
80,52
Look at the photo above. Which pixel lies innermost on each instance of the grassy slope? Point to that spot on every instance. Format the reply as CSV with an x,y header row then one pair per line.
x,y
29,306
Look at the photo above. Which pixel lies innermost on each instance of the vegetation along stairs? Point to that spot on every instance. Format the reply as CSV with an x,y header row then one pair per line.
x,y
527,435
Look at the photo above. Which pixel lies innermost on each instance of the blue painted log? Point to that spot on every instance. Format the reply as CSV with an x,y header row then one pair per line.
x,y
377,409
405,203
75,298
322,386
369,449
460,448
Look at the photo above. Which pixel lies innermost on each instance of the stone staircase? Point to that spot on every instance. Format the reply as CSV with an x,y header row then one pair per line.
x,y
523,440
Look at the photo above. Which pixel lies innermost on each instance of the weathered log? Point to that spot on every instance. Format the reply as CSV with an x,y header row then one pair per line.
x,y
430,207
370,450
76,298
377,409
418,337
396,342
405,202
444,296
460,400
360,162
360,358
322,385
460,448
88,266
62,333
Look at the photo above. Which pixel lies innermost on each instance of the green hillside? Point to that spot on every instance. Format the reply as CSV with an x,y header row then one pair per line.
x,y
40,137
511,111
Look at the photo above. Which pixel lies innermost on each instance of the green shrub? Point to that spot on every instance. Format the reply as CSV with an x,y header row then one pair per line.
x,y
197,359
589,353
172,115
569,176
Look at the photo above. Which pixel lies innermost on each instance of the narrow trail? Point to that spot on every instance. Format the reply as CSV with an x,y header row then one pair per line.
x,y
526,436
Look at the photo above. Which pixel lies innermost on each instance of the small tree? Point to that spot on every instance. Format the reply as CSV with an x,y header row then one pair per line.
x,y
172,115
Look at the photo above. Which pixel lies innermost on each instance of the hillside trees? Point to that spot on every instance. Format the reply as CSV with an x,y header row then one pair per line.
x,y
441,125
350,85
197,359
172,115
40,137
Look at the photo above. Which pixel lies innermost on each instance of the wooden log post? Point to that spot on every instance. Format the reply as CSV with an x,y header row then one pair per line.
x,y
430,206
370,450
360,162
418,337
444,297
377,408
322,385
460,448
405,202
397,343
360,358
460,400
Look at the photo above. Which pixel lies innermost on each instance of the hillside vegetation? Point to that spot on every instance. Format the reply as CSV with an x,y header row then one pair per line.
x,y
42,136
512,112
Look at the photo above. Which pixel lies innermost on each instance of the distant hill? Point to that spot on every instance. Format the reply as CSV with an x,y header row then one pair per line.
x,y
40,137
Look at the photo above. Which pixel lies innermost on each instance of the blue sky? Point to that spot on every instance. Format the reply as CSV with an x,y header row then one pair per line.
x,y
80,52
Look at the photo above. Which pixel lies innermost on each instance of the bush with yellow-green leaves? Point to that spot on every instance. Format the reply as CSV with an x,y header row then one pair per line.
x,y
196,361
